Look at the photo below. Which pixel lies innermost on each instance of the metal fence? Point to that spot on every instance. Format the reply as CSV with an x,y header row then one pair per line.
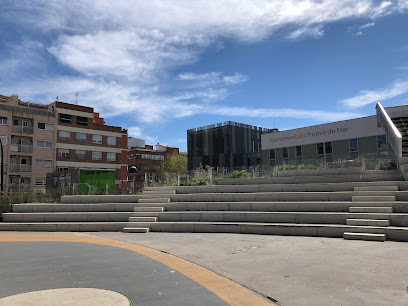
x,y
210,175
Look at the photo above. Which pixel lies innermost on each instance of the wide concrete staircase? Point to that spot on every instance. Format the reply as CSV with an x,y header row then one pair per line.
x,y
349,203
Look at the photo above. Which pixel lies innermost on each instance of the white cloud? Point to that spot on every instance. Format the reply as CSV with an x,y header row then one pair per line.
x,y
309,31
122,52
212,78
135,131
235,79
373,96
367,25
359,33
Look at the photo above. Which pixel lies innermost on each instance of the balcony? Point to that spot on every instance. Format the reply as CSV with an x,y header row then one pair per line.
x,y
19,187
22,129
21,148
20,168
64,138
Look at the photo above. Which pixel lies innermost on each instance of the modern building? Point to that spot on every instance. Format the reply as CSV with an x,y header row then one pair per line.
x,y
27,133
86,144
335,142
229,144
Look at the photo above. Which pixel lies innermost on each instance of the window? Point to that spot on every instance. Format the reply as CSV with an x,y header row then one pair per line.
x,y
63,153
44,163
64,135
45,126
81,137
272,157
3,140
25,123
82,120
111,140
3,121
65,118
150,156
111,156
44,144
16,122
80,155
353,148
285,155
325,152
298,155
96,155
40,182
382,146
97,139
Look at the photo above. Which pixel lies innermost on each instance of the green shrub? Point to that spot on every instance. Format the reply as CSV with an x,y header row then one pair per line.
x,y
237,174
302,166
285,167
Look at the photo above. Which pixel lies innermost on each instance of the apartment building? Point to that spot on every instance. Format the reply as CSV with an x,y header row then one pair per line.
x,y
27,133
86,144
147,160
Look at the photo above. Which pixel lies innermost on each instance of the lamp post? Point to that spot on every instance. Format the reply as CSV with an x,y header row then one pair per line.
x,y
2,166
133,172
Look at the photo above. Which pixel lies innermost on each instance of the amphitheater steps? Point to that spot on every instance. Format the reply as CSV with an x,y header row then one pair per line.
x,y
136,230
364,236
368,222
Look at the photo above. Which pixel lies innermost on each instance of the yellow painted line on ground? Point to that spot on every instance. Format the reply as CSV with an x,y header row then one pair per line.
x,y
229,291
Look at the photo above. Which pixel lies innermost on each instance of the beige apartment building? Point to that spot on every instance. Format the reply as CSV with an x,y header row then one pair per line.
x,y
27,133
96,152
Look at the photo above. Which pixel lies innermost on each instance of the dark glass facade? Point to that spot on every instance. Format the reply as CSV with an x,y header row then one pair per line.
x,y
228,144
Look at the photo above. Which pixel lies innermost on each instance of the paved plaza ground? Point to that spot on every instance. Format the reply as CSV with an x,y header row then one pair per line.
x,y
291,270
295,270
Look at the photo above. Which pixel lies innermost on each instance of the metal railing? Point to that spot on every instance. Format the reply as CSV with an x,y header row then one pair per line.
x,y
393,135
22,129
21,148
19,187
20,168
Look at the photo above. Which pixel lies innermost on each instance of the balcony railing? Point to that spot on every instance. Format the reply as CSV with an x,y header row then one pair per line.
x,y
19,187
64,138
22,148
20,168
22,129
394,137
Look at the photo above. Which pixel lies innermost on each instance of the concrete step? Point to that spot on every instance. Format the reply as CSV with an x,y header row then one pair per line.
x,y
376,204
373,198
368,222
376,193
380,209
136,230
58,207
68,217
364,236
142,219
154,200
64,226
89,199
376,188
148,209
159,191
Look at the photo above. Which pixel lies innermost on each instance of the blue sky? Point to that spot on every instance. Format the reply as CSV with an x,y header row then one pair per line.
x,y
160,67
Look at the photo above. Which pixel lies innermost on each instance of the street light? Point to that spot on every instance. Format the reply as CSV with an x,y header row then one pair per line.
x,y
2,166
133,172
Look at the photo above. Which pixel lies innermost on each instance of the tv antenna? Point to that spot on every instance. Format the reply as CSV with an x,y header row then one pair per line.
x,y
76,97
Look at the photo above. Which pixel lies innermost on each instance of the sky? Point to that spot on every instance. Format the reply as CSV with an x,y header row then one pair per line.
x,y
160,67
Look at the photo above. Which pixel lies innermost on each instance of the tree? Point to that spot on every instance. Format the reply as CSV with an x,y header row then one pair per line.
x,y
175,163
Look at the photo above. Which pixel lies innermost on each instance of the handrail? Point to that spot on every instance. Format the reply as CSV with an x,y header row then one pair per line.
x,y
393,135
